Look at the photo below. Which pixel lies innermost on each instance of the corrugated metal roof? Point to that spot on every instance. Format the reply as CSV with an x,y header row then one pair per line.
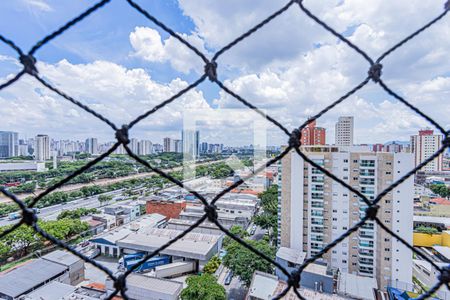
x,y
62,257
53,291
17,281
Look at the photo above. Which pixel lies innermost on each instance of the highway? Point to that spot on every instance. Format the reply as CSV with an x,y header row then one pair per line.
x,y
52,212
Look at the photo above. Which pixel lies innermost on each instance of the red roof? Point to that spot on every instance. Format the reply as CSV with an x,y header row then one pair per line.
x,y
440,201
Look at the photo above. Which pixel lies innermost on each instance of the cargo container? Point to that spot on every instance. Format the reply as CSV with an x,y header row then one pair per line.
x,y
175,269
132,259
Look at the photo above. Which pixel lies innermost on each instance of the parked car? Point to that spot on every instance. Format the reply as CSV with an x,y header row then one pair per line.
x,y
229,278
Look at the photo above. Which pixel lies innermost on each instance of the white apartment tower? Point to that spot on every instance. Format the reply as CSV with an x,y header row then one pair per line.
x,y
344,131
145,147
191,143
424,145
42,149
315,210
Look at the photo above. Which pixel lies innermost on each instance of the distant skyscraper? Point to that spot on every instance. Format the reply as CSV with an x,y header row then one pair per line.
x,y
312,135
423,145
145,147
168,145
91,146
134,145
158,148
344,131
178,146
42,149
9,144
204,147
191,142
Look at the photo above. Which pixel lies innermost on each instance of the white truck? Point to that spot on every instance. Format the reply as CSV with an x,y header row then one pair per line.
x,y
175,269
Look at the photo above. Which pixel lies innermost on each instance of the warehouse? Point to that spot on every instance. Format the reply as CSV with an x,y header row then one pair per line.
x,y
30,276
196,246
150,288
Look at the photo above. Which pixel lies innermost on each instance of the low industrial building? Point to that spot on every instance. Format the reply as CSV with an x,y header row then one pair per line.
x,y
74,264
140,287
320,278
124,213
266,286
60,291
30,276
194,246
226,217
106,243
204,227
167,207
22,166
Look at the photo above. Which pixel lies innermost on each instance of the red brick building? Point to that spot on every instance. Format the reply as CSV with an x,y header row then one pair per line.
x,y
312,135
168,208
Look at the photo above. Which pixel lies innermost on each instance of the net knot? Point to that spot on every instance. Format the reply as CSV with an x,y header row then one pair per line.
x,y
294,279
29,64
211,213
375,72
120,283
444,277
294,139
371,212
211,70
122,135
446,140
29,217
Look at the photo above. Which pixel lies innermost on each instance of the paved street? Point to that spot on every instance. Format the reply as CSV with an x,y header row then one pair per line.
x,y
235,290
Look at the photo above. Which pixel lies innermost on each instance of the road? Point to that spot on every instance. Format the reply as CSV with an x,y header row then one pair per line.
x,y
99,182
235,290
52,212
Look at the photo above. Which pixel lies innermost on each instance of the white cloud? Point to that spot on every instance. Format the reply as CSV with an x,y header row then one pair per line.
x,y
41,5
118,93
148,45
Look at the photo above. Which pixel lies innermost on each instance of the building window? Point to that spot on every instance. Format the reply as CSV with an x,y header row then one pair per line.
x,y
387,249
386,258
346,160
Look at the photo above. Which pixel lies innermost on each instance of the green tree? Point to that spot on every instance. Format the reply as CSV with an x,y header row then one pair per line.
x,y
237,231
76,213
212,265
244,262
440,189
203,287
104,199
268,219
424,229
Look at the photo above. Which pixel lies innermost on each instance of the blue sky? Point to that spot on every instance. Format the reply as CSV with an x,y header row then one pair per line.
x,y
121,64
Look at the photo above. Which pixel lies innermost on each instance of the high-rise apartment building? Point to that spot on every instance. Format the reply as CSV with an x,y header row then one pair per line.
x,y
169,145
312,135
9,144
178,146
145,147
204,147
315,210
133,145
42,147
424,145
91,146
344,131
191,143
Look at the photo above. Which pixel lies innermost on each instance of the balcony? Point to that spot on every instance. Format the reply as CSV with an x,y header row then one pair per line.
x,y
368,173
367,163
366,244
316,204
366,253
365,270
366,261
